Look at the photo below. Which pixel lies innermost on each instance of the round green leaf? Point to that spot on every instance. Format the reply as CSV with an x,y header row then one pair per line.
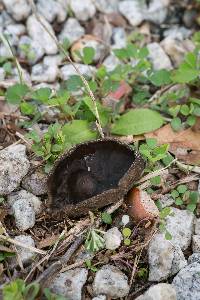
x,y
137,121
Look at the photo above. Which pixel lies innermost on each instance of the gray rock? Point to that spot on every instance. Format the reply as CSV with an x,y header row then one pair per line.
x,y
19,9
165,259
30,49
194,258
158,57
110,281
68,70
189,17
52,10
48,70
133,11
181,226
113,238
196,243
187,282
28,197
24,214
70,283
107,6
83,10
157,11
72,31
166,200
5,51
14,165
36,182
119,38
5,19
177,32
25,255
2,74
160,291
111,62
40,35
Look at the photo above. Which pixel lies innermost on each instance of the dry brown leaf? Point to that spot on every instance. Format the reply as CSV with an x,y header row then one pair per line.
x,y
185,145
49,241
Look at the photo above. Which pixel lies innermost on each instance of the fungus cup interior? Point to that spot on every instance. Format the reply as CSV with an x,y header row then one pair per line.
x,y
88,170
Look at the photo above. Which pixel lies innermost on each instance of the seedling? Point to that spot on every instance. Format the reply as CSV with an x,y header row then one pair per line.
x,y
164,213
183,196
89,265
94,241
126,232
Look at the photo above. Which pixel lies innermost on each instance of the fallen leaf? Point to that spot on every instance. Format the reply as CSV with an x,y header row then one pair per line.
x,y
47,242
185,145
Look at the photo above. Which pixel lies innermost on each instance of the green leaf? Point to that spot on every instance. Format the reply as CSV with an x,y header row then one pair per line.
x,y
194,197
187,71
191,120
182,188
167,159
191,207
185,110
160,77
138,121
106,218
126,232
151,143
78,131
88,55
42,94
15,93
174,194
168,235
196,111
178,201
155,180
27,108
165,212
176,124
127,242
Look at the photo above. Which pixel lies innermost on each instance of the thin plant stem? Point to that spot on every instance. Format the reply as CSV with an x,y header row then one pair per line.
x,y
7,44
61,48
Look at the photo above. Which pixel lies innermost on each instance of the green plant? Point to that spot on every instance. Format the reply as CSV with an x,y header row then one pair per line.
x,y
106,218
27,51
142,273
126,232
183,196
89,265
164,213
94,241
19,290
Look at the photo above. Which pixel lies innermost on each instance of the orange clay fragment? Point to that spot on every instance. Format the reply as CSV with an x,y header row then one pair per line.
x,y
141,206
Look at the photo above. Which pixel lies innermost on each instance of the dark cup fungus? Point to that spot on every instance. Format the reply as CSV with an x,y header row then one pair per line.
x,y
92,175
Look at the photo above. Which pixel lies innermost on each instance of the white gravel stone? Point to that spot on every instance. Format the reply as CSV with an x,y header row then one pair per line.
x,y
113,238
24,214
48,70
158,57
111,62
26,255
119,38
177,32
107,6
100,297
196,243
19,9
110,281
25,75
70,283
23,194
83,10
187,282
16,29
2,74
194,258
40,35
181,227
36,182
68,70
160,291
157,11
166,200
72,31
14,165
133,11
35,51
52,10
5,19
197,226
165,259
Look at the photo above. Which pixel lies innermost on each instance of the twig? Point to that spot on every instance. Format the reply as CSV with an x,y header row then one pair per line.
x,y
188,168
50,273
17,243
61,48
